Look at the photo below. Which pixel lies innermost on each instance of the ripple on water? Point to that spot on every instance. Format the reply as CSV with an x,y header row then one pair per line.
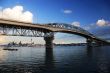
x,y
70,59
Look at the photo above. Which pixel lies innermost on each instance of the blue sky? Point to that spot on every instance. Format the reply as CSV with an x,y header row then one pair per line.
x,y
86,12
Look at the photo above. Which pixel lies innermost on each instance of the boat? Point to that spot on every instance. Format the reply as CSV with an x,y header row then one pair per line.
x,y
10,49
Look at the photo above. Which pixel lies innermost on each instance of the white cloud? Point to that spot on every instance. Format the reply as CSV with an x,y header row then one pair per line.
x,y
102,22
76,24
16,13
67,11
99,23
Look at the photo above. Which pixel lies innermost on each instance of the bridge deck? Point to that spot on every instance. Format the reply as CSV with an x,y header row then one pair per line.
x,y
24,24
10,23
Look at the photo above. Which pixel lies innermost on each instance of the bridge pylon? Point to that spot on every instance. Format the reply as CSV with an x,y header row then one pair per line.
x,y
99,43
89,41
49,40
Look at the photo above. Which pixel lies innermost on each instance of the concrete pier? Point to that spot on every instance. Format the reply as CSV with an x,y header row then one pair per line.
x,y
89,42
49,42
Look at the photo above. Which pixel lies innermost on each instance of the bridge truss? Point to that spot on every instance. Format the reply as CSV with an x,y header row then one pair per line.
x,y
69,27
20,31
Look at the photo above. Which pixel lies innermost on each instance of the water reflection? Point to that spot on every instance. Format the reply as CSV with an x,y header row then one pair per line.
x,y
101,59
98,56
61,59
49,60
89,51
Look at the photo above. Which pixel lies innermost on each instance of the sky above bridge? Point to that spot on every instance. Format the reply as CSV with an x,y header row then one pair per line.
x,y
92,15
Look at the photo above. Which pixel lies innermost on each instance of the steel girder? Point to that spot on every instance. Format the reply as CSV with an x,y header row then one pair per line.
x,y
19,31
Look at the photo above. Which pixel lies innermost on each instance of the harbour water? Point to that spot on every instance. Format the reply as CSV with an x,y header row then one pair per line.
x,y
60,59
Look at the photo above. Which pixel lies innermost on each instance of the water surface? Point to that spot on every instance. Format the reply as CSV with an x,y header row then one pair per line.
x,y
61,59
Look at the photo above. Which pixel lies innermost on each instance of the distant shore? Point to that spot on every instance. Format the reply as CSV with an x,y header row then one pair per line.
x,y
38,45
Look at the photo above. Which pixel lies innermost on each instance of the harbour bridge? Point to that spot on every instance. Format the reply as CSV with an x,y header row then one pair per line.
x,y
17,28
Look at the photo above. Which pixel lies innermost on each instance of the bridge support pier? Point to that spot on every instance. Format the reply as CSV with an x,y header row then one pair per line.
x,y
49,42
98,43
89,42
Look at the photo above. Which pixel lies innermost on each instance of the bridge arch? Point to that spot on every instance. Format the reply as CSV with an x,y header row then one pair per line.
x,y
70,29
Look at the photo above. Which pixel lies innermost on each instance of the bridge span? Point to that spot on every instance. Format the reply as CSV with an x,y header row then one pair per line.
x,y
17,28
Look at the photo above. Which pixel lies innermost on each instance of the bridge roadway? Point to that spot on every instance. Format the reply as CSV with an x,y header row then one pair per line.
x,y
49,28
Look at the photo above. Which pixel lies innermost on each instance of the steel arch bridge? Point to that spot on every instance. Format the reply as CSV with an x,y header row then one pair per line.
x,y
16,28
